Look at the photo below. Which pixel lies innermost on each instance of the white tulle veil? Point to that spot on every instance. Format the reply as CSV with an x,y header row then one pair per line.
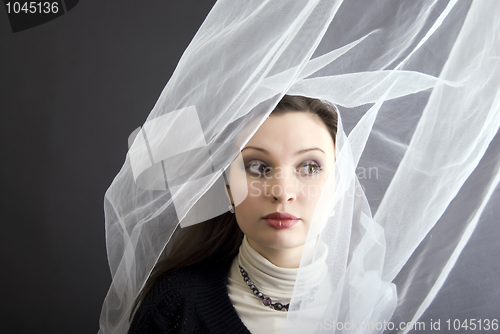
x,y
417,155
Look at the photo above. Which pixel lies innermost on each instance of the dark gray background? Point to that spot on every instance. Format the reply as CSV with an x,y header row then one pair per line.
x,y
72,90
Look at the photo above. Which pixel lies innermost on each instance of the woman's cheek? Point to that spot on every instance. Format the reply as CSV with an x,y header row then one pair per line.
x,y
254,188
310,194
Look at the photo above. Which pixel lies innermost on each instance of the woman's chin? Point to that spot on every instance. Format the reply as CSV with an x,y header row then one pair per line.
x,y
281,240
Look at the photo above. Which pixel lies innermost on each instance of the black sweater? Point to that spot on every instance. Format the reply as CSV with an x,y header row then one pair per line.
x,y
192,299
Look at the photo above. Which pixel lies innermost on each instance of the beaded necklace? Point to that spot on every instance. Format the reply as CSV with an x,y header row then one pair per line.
x,y
268,301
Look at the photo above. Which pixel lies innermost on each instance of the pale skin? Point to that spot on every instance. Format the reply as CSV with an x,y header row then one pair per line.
x,y
287,162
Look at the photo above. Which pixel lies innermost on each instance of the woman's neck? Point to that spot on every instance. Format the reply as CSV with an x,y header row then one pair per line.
x,y
284,258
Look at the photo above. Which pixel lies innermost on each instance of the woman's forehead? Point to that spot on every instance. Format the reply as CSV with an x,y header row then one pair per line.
x,y
291,132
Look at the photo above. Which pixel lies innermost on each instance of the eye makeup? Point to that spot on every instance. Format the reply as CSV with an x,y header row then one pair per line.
x,y
258,168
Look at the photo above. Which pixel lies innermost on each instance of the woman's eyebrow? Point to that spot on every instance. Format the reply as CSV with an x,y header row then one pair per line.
x,y
296,153
309,149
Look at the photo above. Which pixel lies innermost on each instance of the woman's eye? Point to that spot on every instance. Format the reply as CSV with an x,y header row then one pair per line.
x,y
310,168
258,169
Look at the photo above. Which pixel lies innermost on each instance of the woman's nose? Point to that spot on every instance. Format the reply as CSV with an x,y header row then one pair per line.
x,y
283,185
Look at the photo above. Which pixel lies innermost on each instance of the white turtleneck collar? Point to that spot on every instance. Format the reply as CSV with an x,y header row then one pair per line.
x,y
275,282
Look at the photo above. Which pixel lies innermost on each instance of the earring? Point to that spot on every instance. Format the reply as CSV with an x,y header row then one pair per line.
x,y
231,205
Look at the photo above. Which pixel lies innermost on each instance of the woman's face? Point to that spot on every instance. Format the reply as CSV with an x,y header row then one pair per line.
x,y
287,163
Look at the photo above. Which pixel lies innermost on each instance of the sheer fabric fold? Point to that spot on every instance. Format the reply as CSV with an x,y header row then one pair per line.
x,y
417,161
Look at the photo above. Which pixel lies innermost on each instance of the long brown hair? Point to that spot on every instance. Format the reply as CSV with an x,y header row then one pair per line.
x,y
219,238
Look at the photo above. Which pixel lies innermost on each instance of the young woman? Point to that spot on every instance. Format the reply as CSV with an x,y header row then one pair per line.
x,y
415,173
257,249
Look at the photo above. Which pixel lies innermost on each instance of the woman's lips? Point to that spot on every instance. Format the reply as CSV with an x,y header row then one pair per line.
x,y
280,215
280,220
